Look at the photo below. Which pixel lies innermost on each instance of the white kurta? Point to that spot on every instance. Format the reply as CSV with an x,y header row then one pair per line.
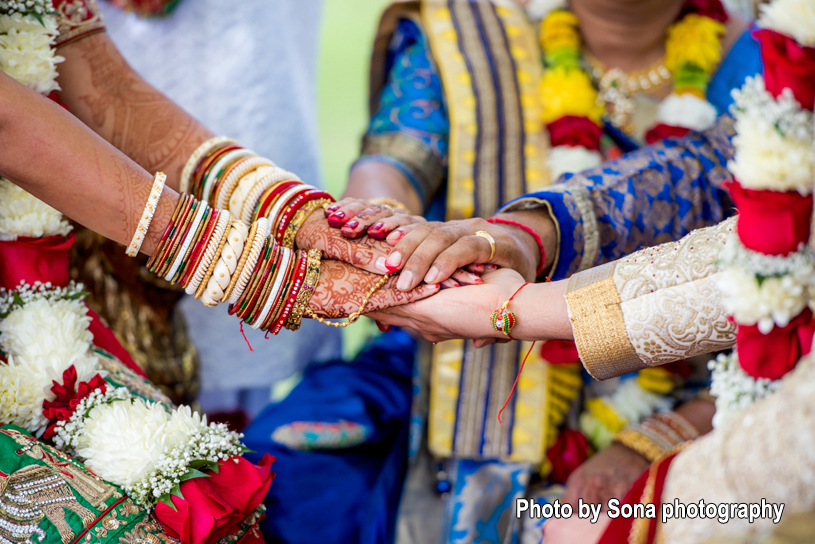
x,y
247,70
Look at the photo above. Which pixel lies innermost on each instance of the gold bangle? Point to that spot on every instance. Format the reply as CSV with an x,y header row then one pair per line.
x,y
491,240
299,218
306,291
640,443
389,202
354,317
147,215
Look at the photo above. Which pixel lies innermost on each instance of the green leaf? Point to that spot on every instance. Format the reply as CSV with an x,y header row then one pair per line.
x,y
38,17
176,490
194,473
167,499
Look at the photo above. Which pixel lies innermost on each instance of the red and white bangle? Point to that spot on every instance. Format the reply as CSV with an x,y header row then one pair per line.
x,y
192,162
147,216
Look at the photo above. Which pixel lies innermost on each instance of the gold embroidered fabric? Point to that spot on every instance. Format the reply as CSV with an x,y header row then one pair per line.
x,y
767,452
678,322
77,19
598,325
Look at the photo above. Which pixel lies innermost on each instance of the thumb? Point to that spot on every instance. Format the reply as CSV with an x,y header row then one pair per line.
x,y
388,298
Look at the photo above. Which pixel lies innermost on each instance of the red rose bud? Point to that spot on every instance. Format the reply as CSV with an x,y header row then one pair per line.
x,y
560,352
787,64
774,354
68,396
575,131
771,222
570,450
663,131
712,9
215,507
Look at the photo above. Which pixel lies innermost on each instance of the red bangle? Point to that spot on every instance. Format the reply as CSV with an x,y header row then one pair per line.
x,y
532,233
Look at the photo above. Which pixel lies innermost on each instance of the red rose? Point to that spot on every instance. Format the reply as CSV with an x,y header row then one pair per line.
x,y
712,9
35,259
560,352
661,131
774,354
787,64
214,507
575,131
771,222
567,453
68,396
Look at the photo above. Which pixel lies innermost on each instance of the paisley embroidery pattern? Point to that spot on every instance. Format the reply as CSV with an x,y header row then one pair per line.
x,y
315,435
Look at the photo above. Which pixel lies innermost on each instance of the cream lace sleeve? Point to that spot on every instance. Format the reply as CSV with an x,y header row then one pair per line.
x,y
751,459
654,307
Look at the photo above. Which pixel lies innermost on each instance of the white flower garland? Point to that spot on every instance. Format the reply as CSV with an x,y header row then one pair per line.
x,y
773,142
22,214
734,389
565,159
69,432
688,111
795,18
24,7
26,51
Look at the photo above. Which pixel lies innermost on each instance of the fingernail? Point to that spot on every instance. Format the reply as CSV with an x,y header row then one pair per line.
x,y
432,274
473,276
394,260
333,207
405,280
380,265
478,280
352,224
376,226
383,328
490,267
396,235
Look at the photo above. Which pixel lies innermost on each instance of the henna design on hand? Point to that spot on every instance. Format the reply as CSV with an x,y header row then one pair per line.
x,y
362,253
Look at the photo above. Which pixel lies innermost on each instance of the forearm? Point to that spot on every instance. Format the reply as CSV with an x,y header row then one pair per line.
x,y
380,180
105,93
97,185
541,312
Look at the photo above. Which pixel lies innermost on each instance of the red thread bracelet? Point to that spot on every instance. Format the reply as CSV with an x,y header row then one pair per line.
x,y
532,233
507,313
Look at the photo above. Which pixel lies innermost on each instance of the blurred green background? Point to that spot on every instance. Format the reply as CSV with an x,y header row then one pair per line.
x,y
347,38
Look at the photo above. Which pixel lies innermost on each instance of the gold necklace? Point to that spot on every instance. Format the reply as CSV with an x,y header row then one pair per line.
x,y
616,88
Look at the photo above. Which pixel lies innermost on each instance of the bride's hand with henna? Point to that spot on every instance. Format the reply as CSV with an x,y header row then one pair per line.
x,y
356,218
342,289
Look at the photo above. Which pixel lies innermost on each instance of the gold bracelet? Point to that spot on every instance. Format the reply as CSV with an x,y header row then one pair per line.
x,y
640,443
306,291
147,215
354,317
389,202
299,218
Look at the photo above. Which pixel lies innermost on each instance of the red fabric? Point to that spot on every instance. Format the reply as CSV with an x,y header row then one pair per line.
x,y
570,450
774,354
662,131
788,213
787,64
35,259
214,507
104,338
707,8
532,233
619,529
560,352
68,396
575,131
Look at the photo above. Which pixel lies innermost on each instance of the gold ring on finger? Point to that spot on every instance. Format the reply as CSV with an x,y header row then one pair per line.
x,y
491,240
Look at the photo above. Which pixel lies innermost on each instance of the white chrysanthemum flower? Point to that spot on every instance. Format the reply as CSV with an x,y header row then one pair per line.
x,y
26,53
22,214
565,159
45,327
773,302
183,423
26,383
123,441
688,111
734,389
795,18
766,160
538,9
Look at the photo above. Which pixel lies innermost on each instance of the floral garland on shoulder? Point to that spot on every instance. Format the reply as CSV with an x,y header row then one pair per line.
x,y
573,110
768,267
